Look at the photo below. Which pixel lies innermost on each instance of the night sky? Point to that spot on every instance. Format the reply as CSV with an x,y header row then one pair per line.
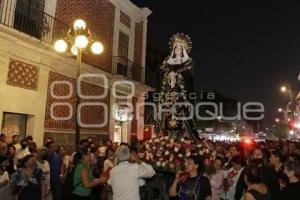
x,y
243,49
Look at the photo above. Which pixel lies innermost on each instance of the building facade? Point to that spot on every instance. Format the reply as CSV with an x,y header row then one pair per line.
x,y
38,86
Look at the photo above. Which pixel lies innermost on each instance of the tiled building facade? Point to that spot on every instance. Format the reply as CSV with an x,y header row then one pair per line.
x,y
36,83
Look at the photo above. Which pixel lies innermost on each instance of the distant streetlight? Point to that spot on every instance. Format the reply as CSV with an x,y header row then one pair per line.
x,y
277,120
280,110
77,40
283,88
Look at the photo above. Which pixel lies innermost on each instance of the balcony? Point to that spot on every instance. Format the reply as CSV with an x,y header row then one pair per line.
x,y
33,22
46,28
127,68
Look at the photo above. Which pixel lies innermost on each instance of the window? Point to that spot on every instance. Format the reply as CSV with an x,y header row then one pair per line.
x,y
14,123
123,45
28,16
122,67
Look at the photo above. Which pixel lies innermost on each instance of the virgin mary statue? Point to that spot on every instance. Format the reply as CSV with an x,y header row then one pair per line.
x,y
176,117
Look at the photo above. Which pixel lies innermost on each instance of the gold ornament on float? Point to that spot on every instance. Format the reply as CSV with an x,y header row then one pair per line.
x,y
181,39
173,123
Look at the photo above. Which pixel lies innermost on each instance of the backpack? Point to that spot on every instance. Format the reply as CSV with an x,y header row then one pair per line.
x,y
68,185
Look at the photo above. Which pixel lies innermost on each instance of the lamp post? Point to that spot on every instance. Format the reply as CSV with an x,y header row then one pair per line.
x,y
78,40
287,89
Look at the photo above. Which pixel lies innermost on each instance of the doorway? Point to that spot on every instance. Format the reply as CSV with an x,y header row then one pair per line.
x,y
14,124
118,133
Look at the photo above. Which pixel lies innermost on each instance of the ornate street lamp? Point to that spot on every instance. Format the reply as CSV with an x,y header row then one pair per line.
x,y
78,40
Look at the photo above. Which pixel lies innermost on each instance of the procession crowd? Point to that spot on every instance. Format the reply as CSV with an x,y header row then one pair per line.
x,y
105,170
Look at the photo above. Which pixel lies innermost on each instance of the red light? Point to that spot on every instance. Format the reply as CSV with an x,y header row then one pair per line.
x,y
294,124
248,141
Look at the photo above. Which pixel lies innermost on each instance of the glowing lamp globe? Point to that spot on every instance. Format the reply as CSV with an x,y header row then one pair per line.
x,y
60,46
97,48
74,50
81,41
79,24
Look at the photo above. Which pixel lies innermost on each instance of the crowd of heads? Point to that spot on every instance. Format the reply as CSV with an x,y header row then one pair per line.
x,y
210,156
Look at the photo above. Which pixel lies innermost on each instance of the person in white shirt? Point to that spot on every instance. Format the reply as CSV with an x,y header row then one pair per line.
x,y
22,152
16,142
216,179
125,177
232,176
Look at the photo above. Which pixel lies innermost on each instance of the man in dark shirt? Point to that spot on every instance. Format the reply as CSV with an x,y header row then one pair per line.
x,y
292,190
55,163
240,186
269,175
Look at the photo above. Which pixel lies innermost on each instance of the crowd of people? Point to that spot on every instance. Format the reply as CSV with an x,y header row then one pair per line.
x,y
105,170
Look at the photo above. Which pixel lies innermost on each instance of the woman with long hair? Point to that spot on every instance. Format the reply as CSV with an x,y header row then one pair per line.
x,y
216,178
65,160
11,152
277,162
83,180
191,185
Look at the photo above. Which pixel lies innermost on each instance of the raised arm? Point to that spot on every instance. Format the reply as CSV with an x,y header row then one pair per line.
x,y
90,184
173,188
145,170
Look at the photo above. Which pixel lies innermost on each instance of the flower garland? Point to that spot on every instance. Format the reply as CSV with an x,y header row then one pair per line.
x,y
167,153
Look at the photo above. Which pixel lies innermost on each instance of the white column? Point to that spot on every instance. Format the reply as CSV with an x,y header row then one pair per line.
x,y
8,8
116,35
125,132
145,25
1,116
112,121
50,7
140,118
131,40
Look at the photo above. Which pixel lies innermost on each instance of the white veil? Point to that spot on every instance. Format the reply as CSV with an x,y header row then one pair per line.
x,y
173,61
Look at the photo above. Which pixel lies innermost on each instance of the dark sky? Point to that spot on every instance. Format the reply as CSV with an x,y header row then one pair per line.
x,y
243,49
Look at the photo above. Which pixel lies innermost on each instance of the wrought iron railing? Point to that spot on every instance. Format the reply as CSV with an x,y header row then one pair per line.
x,y
30,21
131,70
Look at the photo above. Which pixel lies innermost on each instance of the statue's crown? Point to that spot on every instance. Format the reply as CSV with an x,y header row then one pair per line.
x,y
181,39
